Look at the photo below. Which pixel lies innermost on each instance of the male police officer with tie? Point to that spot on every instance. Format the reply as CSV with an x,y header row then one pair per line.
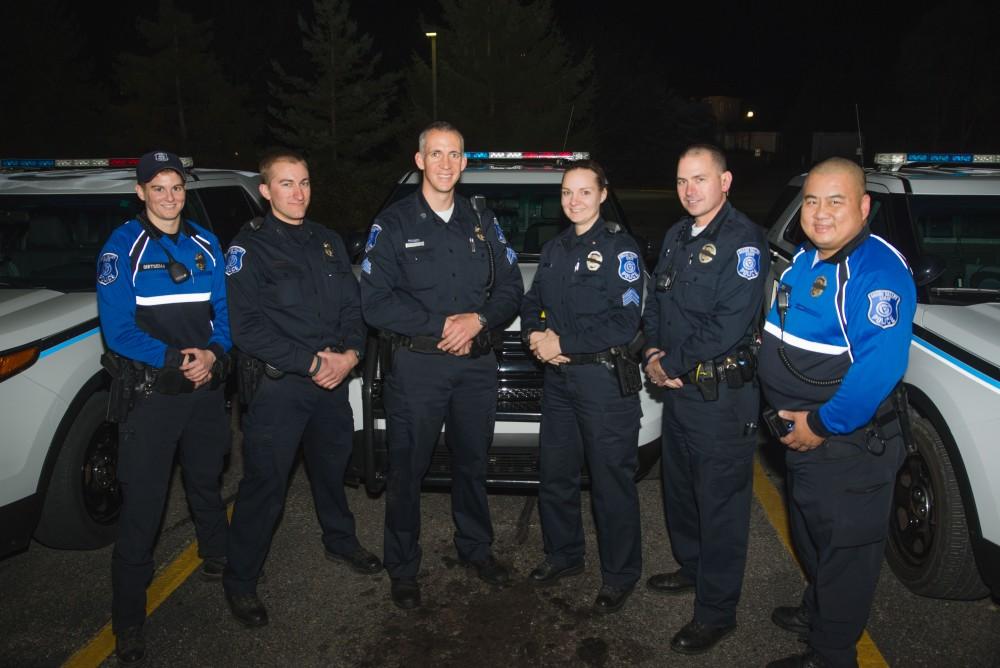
x,y
436,279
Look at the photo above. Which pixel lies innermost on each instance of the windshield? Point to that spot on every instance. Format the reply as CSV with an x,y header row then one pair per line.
x,y
52,241
529,214
963,233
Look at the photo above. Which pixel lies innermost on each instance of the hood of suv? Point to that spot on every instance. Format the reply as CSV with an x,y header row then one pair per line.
x,y
30,315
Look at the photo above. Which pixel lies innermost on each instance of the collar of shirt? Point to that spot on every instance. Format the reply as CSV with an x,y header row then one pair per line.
x,y
710,231
457,210
571,238
848,248
278,227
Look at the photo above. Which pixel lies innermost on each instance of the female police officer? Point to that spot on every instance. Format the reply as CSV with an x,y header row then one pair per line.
x,y
582,309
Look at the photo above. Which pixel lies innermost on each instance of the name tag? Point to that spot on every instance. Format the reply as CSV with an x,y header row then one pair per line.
x,y
414,243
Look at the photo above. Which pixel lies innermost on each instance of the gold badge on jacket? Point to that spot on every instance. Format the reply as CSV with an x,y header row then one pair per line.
x,y
707,253
479,233
594,260
818,286
328,249
199,261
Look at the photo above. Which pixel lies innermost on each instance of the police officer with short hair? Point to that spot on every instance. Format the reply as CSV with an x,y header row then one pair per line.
x,y
702,307
296,319
161,295
836,346
581,313
437,277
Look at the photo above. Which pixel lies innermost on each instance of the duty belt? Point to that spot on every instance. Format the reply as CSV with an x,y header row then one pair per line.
x,y
604,357
428,345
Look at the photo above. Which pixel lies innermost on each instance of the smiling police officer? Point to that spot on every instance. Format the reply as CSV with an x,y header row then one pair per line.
x,y
436,279
703,305
296,318
161,294
836,346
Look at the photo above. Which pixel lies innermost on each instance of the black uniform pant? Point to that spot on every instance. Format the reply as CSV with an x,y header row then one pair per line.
x,y
422,392
195,427
707,465
840,496
283,414
584,414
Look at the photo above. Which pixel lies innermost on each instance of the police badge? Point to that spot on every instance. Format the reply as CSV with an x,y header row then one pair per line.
x,y
234,259
107,269
327,249
594,260
707,253
818,286
479,233
373,237
199,261
748,262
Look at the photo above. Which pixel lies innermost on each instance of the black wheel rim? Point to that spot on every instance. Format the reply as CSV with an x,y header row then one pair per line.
x,y
101,493
913,512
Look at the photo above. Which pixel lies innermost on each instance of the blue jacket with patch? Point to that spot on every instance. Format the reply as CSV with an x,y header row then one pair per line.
x,y
147,317
716,290
292,293
590,288
418,269
849,316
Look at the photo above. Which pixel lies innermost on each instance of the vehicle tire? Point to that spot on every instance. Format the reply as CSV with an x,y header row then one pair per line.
x,y
83,497
929,548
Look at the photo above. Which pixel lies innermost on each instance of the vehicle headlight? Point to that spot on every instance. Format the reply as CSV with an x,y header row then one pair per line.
x,y
16,361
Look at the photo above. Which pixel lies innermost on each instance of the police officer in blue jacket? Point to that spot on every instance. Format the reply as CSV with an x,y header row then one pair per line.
x,y
702,308
296,314
835,348
436,278
161,295
588,286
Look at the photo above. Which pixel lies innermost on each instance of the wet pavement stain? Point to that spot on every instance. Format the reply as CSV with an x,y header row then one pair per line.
x,y
593,652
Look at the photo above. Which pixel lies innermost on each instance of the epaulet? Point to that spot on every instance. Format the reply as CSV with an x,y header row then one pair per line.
x,y
612,227
255,224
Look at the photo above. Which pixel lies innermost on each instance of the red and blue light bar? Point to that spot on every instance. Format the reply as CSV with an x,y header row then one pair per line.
x,y
75,163
897,160
527,155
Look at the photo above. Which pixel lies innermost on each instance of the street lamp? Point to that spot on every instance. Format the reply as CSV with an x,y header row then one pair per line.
x,y
434,74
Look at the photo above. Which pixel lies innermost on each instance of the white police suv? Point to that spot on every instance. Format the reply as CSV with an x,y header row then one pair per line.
x,y
57,453
523,191
942,211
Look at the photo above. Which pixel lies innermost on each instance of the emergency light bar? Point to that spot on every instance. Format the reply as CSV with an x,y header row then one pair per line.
x,y
894,161
527,155
64,163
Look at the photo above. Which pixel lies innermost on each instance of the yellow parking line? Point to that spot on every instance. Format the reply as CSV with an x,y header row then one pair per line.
x,y
774,507
170,578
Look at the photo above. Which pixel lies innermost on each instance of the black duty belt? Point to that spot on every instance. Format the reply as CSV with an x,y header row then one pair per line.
x,y
605,357
428,345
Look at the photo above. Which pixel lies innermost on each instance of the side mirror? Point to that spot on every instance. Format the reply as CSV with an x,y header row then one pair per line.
x,y
928,269
355,242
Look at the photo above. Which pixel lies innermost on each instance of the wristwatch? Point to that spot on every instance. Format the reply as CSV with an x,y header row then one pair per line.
x,y
482,320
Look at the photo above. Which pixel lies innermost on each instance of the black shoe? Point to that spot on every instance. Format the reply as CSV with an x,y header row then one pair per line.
x,y
696,637
670,583
547,573
489,570
212,568
361,561
792,618
808,660
405,594
130,648
247,609
611,599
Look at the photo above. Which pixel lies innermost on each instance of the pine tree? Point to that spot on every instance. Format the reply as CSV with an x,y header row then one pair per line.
x,y
506,77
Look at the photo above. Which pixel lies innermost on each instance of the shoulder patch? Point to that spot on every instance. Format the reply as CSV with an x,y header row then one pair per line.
x,y
748,262
628,266
373,237
630,296
883,308
107,268
366,266
499,230
511,256
234,259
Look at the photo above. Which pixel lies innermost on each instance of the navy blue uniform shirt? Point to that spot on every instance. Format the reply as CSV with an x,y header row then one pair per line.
x,y
717,288
292,294
147,317
418,269
590,288
849,316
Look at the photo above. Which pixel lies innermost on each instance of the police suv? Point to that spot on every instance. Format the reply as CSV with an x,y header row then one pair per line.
x,y
523,191
57,453
943,213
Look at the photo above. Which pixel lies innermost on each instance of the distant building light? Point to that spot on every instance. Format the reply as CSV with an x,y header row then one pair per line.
x,y
750,113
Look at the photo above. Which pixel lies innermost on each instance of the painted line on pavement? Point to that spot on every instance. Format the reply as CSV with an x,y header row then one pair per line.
x,y
770,499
